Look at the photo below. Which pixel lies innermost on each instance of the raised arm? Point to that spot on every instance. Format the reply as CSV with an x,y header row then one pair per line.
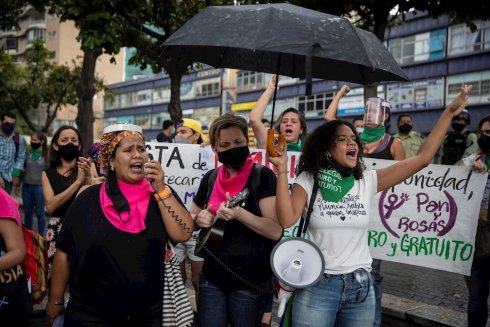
x,y
257,113
331,113
288,207
394,174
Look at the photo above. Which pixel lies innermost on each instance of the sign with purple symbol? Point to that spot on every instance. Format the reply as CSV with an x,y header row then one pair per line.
x,y
429,219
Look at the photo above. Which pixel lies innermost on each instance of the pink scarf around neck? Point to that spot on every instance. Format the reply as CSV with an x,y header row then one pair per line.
x,y
138,196
233,185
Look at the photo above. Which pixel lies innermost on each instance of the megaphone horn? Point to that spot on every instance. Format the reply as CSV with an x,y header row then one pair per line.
x,y
297,262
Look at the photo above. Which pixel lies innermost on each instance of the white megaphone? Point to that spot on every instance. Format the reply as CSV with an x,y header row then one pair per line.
x,y
297,262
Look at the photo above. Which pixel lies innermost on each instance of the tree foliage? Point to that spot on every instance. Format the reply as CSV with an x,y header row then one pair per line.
x,y
38,88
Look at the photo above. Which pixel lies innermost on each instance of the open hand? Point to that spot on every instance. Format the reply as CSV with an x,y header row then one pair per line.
x,y
461,101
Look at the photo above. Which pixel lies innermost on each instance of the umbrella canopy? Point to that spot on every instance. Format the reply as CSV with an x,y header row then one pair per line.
x,y
284,39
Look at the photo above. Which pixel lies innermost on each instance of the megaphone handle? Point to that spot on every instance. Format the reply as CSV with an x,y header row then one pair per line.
x,y
270,143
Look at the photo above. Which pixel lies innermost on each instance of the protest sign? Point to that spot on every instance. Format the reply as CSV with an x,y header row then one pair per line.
x,y
185,165
429,219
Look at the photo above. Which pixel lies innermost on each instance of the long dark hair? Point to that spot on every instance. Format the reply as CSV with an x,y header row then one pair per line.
x,y
44,143
54,156
321,140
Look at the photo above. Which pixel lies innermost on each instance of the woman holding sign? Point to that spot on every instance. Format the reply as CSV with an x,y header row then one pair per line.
x,y
332,160
235,278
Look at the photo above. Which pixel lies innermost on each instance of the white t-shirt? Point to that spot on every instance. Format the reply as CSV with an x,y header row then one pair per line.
x,y
340,229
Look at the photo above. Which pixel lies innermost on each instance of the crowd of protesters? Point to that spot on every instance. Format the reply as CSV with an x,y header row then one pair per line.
x,y
110,215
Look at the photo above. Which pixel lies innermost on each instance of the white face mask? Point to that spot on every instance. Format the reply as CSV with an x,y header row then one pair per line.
x,y
359,130
181,140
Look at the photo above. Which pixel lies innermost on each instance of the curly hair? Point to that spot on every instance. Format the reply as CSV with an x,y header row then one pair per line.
x,y
321,140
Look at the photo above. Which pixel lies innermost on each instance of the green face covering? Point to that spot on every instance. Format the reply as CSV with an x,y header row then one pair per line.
x,y
332,186
487,160
36,154
370,134
295,147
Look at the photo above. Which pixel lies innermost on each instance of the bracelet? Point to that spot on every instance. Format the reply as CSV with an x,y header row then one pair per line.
x,y
164,194
60,302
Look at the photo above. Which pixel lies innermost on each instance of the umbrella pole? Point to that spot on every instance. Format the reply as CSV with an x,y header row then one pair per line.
x,y
270,133
275,87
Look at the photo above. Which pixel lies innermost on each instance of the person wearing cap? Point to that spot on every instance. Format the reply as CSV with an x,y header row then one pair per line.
x,y
188,132
15,298
112,243
459,143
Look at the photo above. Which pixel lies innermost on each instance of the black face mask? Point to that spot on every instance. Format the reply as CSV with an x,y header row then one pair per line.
x,y
68,151
343,171
234,158
484,143
8,128
405,128
457,127
35,145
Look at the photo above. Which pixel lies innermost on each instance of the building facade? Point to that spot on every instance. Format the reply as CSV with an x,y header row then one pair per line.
x,y
60,40
437,57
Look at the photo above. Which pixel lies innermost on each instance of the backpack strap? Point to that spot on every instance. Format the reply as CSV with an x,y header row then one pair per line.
x,y
305,218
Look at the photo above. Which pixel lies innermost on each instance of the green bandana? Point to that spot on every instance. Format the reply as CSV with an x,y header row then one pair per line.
x,y
36,154
296,147
370,134
487,160
332,185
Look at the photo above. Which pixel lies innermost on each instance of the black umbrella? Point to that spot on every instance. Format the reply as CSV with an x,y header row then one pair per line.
x,y
265,37
286,40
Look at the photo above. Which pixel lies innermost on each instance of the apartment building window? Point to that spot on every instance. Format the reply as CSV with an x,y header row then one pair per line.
x,y
207,90
161,94
142,120
250,80
462,40
480,82
10,43
418,47
314,105
158,118
143,97
416,95
126,100
36,34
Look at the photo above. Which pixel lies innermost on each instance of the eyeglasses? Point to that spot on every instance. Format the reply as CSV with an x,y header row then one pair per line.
x,y
484,131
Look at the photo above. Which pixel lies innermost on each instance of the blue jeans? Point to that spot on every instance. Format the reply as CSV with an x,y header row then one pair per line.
x,y
378,290
336,300
478,288
32,196
217,308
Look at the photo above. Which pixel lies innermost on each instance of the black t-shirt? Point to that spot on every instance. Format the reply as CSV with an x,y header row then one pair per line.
x,y
241,249
113,271
59,184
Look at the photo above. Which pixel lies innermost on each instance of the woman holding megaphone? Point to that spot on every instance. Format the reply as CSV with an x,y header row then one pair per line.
x,y
332,159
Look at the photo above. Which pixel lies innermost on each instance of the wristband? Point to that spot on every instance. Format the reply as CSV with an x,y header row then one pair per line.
x,y
164,194
60,302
